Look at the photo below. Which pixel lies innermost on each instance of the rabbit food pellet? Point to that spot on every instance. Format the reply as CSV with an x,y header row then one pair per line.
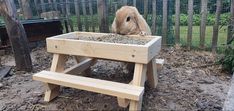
x,y
114,38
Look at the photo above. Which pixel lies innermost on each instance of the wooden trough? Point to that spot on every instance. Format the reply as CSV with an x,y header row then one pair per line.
x,y
86,52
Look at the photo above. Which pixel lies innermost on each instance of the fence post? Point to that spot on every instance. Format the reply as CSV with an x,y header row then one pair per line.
x,y
17,35
231,23
36,6
216,25
134,3
190,24
154,19
27,12
77,11
177,21
85,15
91,13
61,7
203,23
125,2
102,13
43,6
164,24
55,5
68,13
145,9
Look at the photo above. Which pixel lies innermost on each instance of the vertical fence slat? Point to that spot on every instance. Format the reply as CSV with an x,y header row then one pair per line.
x,y
177,21
190,24
145,9
43,6
77,11
55,5
125,2
164,24
36,3
27,11
67,8
91,14
116,6
50,4
203,23
231,23
134,3
85,15
103,14
216,25
153,27
62,7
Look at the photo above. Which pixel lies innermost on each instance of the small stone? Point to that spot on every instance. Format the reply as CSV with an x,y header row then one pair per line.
x,y
1,85
198,89
204,81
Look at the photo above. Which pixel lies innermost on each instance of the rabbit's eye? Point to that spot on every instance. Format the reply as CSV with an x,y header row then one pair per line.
x,y
128,19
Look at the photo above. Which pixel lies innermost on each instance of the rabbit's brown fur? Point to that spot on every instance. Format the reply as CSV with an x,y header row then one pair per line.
x,y
128,21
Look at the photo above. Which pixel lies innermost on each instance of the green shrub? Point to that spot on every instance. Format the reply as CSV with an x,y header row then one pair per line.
x,y
227,60
224,19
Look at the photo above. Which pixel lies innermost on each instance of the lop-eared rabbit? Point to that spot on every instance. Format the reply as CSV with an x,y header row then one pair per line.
x,y
128,21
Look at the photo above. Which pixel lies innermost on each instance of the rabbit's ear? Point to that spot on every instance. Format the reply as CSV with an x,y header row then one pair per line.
x,y
114,27
140,21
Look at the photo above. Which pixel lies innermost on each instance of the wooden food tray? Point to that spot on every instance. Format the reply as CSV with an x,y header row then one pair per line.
x,y
66,44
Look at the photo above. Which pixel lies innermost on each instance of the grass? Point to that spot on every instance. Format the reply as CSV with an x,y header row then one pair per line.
x,y
222,37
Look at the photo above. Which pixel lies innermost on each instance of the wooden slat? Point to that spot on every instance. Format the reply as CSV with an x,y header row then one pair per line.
x,y
89,84
129,53
78,68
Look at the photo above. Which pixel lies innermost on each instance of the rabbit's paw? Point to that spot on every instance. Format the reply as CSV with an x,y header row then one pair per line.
x,y
143,33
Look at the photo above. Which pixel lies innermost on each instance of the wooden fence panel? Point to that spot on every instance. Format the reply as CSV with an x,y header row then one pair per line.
x,y
27,11
231,23
177,21
216,25
68,12
103,14
134,3
164,24
203,23
85,15
146,9
190,24
43,9
154,19
77,11
91,14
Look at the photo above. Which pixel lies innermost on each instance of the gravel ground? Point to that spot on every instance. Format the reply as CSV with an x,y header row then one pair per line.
x,y
184,84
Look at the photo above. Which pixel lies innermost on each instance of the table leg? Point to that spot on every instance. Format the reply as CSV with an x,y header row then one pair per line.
x,y
57,65
138,80
152,75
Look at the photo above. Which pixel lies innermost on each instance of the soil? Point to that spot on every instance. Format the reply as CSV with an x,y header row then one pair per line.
x,y
183,85
114,38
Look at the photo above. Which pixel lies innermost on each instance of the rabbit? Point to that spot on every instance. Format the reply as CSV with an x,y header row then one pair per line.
x,y
128,21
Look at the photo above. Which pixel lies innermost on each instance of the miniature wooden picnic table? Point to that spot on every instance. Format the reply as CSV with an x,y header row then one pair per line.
x,y
86,52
